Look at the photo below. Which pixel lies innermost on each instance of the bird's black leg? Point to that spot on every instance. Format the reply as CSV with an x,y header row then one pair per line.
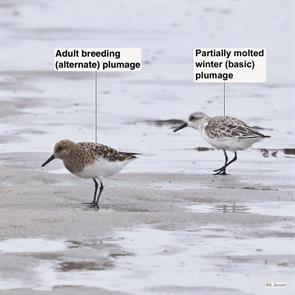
x,y
92,204
232,160
222,169
99,194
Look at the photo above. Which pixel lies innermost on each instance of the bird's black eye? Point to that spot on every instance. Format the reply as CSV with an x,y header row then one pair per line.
x,y
59,148
191,118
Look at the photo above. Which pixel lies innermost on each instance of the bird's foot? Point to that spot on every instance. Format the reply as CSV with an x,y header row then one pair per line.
x,y
220,171
91,205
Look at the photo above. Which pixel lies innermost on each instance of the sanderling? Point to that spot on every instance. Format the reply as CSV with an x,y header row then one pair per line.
x,y
225,133
91,160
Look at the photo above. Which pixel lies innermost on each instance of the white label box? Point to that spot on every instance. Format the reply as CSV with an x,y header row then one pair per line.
x,y
230,65
97,59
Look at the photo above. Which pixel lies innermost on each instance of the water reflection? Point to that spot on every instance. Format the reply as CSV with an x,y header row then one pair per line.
x,y
286,208
230,208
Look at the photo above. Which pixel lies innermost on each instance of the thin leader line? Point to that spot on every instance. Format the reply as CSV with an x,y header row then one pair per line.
x,y
224,104
96,106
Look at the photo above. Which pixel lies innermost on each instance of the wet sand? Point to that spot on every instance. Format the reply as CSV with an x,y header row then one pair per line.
x,y
36,203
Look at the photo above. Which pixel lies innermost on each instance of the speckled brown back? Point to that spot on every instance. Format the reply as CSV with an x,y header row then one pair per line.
x,y
218,127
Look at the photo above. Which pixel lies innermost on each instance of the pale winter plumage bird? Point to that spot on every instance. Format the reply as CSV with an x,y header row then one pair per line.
x,y
224,133
91,160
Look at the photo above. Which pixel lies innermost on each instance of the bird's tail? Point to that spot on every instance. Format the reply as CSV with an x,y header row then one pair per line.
x,y
131,155
260,134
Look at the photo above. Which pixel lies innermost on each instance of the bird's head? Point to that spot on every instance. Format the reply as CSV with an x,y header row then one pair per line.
x,y
62,150
194,121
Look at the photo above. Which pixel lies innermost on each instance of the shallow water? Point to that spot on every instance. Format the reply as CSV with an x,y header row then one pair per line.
x,y
279,208
202,257
31,246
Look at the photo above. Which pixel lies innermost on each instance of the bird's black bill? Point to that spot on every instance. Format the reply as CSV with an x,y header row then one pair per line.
x,y
180,127
49,160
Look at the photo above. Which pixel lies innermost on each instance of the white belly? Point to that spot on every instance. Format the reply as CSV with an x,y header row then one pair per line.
x,y
231,143
102,168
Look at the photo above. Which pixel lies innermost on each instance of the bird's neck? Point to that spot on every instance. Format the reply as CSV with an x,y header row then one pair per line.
x,y
201,124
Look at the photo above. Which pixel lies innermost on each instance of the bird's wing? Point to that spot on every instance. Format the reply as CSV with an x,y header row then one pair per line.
x,y
97,151
230,127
